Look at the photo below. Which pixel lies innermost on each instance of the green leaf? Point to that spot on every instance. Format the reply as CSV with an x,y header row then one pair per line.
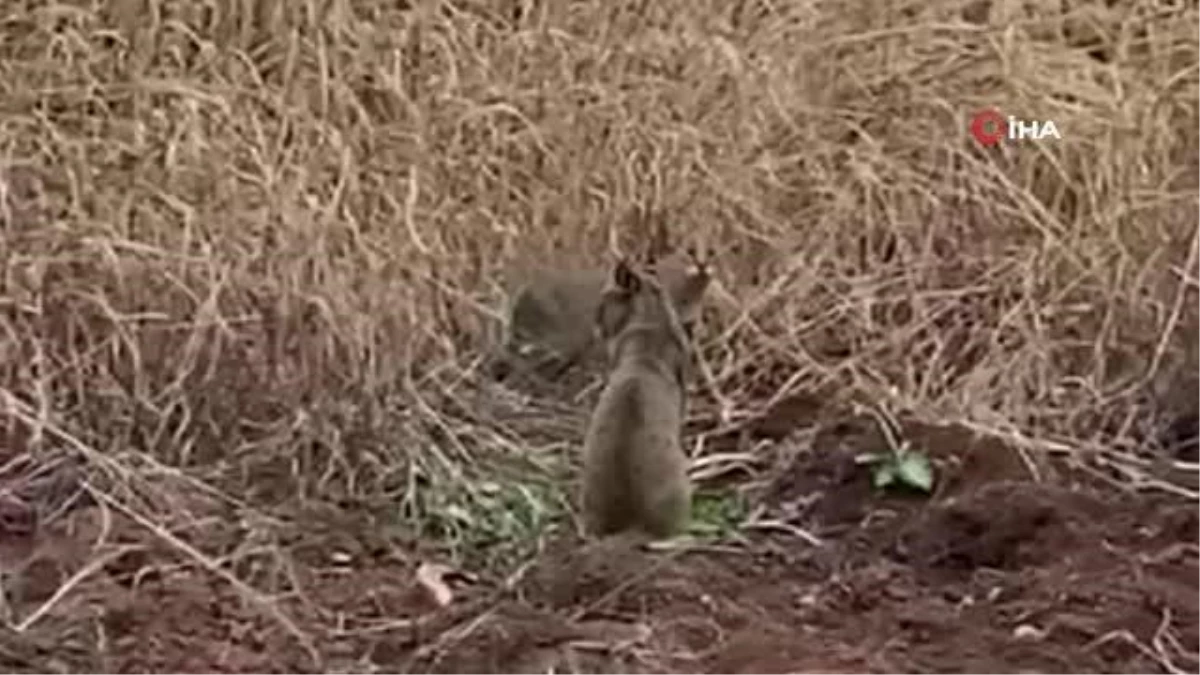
x,y
914,470
885,474
716,512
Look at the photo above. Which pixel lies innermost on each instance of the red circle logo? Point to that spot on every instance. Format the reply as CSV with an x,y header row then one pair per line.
x,y
980,127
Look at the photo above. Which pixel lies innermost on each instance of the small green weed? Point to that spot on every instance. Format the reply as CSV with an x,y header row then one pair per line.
x,y
489,522
899,465
716,514
909,468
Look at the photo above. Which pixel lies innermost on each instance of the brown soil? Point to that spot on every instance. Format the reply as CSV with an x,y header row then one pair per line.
x,y
997,572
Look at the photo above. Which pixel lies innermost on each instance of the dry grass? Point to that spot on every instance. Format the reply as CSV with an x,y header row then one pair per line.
x,y
256,250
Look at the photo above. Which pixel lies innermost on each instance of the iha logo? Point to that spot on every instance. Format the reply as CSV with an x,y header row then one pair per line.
x,y
990,127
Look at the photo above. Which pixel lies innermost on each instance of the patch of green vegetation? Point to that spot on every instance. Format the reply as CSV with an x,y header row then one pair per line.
x,y
717,514
899,465
902,468
487,522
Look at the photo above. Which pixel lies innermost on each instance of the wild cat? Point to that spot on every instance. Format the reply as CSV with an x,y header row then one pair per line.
x,y
550,323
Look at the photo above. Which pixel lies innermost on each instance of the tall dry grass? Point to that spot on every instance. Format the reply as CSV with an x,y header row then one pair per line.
x,y
255,244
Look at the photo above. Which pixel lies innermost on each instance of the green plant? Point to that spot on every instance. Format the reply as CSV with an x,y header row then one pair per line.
x,y
488,521
898,465
903,466
716,513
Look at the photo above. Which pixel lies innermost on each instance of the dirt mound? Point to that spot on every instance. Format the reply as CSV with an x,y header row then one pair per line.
x,y
1004,526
